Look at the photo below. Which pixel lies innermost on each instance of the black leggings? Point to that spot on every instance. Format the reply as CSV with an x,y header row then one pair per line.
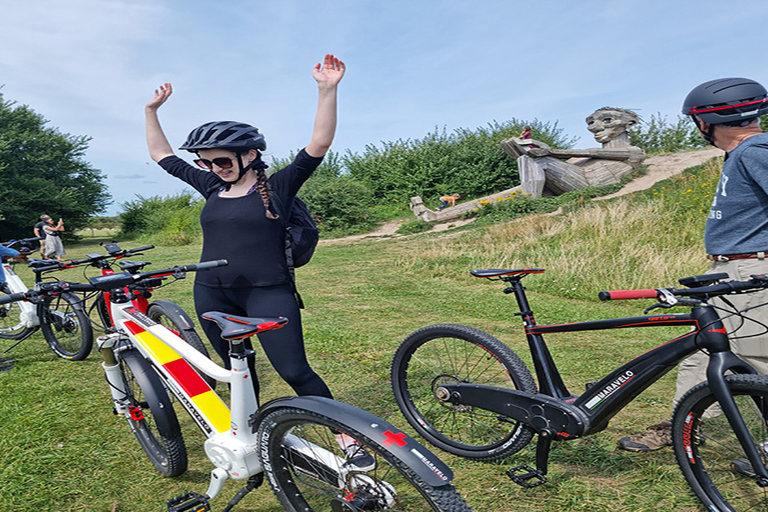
x,y
284,347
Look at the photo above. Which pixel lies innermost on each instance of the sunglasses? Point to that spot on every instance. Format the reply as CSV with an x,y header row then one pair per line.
x,y
222,162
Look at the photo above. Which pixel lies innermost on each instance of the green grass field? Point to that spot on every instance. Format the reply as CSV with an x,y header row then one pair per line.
x,y
61,449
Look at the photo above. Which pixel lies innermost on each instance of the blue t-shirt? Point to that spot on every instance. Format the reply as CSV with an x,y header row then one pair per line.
x,y
738,217
236,228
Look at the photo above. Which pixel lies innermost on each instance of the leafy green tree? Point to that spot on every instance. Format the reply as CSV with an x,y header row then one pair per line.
x,y
657,135
43,171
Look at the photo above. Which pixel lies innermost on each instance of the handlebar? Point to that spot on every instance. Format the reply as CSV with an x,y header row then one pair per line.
x,y
115,252
108,282
700,293
123,279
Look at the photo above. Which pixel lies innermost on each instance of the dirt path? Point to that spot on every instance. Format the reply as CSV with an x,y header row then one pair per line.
x,y
665,166
659,168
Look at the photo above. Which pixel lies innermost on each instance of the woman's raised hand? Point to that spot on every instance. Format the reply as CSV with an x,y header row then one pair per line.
x,y
328,73
161,96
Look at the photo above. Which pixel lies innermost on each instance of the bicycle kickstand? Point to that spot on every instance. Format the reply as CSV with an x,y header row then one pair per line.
x,y
528,477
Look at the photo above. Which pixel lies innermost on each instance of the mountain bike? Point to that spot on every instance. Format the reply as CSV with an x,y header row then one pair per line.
x,y
294,441
61,318
471,395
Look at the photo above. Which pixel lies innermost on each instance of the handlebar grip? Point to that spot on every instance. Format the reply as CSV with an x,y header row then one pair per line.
x,y
140,249
628,294
5,299
204,265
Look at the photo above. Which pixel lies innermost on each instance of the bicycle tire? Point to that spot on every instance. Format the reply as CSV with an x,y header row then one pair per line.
x,y
457,353
706,447
303,484
100,305
12,325
152,420
65,326
173,321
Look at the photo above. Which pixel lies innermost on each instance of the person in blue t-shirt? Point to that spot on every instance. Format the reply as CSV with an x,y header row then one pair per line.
x,y
726,112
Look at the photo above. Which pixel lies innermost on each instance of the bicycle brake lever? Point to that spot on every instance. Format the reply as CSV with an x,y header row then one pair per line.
x,y
657,305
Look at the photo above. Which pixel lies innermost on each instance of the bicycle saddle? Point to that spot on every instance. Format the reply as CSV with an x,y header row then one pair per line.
x,y
498,272
235,327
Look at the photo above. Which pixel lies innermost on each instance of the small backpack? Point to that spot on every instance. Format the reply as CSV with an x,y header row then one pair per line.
x,y
303,234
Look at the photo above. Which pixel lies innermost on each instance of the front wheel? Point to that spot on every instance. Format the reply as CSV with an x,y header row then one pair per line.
x,y
449,353
66,326
708,452
13,325
151,415
308,472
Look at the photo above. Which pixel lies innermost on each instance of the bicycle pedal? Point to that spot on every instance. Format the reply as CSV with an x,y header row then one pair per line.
x,y
189,502
523,479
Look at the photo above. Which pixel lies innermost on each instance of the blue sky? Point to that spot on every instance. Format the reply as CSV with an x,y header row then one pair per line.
x,y
89,66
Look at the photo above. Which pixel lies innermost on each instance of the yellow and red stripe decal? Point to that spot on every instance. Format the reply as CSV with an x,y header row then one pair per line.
x,y
206,400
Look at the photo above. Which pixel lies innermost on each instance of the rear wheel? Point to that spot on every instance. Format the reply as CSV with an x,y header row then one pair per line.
x,y
449,353
151,415
307,470
66,326
708,452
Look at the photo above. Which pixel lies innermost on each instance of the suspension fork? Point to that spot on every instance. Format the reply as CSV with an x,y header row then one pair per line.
x,y
550,381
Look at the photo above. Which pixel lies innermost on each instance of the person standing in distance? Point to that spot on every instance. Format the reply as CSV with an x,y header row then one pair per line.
x,y
38,230
726,112
241,224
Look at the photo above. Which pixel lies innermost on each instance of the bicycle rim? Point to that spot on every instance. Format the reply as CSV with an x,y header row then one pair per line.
x,y
12,326
449,354
708,451
305,468
66,327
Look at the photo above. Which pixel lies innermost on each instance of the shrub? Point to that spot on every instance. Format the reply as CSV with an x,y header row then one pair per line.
x,y
172,220
414,226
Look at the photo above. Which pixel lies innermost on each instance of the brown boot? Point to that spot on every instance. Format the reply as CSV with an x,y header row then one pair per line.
x,y
655,437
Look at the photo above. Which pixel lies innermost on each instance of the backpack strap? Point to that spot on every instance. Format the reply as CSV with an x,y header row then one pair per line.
x,y
288,246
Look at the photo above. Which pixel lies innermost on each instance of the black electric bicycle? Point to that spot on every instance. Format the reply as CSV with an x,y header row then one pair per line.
x,y
471,395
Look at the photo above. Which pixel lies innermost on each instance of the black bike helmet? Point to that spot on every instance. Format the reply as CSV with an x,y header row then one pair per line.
x,y
228,135
733,101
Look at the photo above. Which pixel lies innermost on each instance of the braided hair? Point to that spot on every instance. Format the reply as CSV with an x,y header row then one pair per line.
x,y
262,187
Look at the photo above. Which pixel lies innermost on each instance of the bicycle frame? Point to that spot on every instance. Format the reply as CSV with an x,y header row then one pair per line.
x,y
556,414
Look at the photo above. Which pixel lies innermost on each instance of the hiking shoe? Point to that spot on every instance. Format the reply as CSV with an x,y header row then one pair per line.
x,y
654,438
4,361
357,456
5,368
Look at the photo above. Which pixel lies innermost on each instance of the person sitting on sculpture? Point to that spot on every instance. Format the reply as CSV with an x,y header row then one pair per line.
x,y
448,201
562,170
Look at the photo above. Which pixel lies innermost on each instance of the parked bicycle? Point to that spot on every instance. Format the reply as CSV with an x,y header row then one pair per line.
x,y
294,441
62,318
471,395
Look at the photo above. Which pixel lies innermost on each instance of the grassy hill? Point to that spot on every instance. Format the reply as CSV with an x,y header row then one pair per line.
x,y
61,449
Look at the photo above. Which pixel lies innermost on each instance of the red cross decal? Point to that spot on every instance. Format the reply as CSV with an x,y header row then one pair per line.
x,y
391,438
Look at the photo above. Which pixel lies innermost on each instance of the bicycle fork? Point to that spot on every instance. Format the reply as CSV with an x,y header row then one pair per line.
x,y
719,363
